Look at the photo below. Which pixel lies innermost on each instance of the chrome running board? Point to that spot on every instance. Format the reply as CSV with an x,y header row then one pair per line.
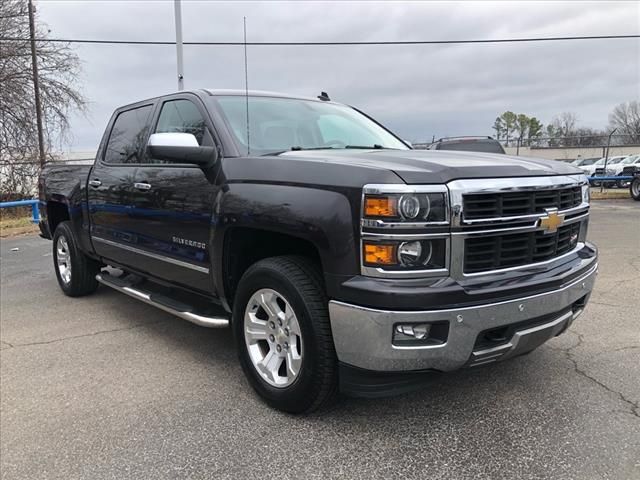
x,y
179,309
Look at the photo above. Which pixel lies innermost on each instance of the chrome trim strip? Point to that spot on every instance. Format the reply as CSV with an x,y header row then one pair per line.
x,y
210,322
155,256
403,236
378,188
583,206
526,228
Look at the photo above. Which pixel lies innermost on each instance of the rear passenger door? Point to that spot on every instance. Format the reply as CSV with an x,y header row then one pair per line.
x,y
110,184
173,203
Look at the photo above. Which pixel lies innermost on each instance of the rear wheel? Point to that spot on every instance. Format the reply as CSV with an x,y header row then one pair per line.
x,y
282,330
635,188
76,273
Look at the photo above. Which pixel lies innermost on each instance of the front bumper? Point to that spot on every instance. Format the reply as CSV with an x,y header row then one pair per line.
x,y
363,336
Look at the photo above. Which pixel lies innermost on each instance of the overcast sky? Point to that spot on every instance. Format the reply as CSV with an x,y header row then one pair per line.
x,y
418,91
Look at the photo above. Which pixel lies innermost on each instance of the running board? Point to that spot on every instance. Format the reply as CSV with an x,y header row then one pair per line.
x,y
179,309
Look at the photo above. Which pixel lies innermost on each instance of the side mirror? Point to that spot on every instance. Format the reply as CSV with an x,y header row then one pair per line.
x,y
181,148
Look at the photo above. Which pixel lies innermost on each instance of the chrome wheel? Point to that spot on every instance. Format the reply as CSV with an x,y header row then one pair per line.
x,y
273,338
63,259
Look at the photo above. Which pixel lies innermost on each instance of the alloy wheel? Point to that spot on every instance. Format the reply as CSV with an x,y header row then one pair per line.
x,y
273,337
63,259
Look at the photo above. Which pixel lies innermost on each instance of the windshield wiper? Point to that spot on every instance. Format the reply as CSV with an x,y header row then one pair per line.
x,y
297,149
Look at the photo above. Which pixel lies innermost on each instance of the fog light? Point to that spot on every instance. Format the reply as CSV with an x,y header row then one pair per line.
x,y
412,332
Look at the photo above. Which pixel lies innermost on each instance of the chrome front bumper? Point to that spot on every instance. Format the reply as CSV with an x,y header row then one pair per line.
x,y
363,336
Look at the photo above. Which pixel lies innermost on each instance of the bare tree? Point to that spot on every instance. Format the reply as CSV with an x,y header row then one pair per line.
x,y
59,67
626,118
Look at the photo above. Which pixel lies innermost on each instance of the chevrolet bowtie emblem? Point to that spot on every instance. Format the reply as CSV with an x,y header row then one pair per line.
x,y
552,220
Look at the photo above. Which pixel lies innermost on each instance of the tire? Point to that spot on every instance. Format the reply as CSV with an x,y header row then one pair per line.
x,y
76,273
634,189
297,288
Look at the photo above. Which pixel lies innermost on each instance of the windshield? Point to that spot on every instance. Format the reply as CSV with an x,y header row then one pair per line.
x,y
281,124
629,160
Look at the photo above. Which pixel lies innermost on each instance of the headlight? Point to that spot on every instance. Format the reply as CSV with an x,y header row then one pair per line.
x,y
405,231
406,256
408,207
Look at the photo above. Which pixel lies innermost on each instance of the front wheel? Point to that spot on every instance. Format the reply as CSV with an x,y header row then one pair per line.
x,y
282,330
634,188
76,273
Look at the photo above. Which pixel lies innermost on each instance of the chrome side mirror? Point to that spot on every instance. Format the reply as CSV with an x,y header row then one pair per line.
x,y
181,148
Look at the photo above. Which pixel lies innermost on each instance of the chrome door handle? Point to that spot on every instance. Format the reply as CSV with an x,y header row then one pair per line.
x,y
142,186
95,183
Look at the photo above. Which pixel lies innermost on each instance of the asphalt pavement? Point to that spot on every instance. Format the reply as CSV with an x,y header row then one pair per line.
x,y
105,387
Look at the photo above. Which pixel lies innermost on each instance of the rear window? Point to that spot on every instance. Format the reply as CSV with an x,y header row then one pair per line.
x,y
127,137
487,146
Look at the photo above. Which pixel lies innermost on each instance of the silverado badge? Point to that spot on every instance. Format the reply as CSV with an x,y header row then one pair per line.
x,y
551,221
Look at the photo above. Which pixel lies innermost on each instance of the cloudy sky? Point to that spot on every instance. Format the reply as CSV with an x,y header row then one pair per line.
x,y
417,90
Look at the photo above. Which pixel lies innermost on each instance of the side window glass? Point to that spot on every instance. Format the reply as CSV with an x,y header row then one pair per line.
x,y
128,135
181,116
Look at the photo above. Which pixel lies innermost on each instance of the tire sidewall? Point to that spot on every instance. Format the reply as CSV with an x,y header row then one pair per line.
x,y
82,269
635,183
295,396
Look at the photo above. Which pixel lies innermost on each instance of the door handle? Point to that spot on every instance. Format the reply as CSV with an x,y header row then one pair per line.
x,y
95,183
142,186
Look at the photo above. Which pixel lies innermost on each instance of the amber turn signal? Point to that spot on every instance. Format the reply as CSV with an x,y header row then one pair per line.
x,y
380,254
380,206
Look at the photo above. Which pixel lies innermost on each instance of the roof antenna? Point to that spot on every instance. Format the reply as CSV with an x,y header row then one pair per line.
x,y
324,97
246,83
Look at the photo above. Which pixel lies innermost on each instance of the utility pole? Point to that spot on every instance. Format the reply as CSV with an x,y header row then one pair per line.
x,y
36,86
178,17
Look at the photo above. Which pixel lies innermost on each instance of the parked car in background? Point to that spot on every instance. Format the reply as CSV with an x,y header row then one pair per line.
x,y
584,162
609,167
628,167
598,169
468,144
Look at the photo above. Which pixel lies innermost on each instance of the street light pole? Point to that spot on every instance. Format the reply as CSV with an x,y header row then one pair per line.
x,y
606,158
178,18
36,85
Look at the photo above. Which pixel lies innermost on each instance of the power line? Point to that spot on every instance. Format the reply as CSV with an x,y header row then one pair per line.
x,y
391,42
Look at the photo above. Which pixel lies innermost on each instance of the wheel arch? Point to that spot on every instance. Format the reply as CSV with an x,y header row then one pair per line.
x,y
244,246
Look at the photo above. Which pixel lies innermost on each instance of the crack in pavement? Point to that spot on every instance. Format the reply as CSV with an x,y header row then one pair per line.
x,y
634,406
621,349
73,337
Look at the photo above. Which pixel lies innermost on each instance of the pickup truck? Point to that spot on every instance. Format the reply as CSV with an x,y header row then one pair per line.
x,y
342,260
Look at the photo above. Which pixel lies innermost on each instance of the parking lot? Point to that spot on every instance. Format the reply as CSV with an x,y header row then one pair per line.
x,y
107,387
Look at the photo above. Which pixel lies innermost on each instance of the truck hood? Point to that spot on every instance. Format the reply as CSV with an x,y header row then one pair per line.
x,y
438,166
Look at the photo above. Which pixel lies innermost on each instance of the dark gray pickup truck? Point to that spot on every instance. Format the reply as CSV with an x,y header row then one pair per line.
x,y
342,259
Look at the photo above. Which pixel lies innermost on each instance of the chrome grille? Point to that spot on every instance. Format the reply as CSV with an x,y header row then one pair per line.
x,y
511,204
493,252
